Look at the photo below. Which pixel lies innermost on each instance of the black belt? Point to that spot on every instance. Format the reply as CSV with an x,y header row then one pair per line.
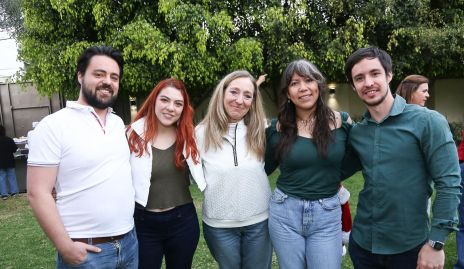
x,y
99,240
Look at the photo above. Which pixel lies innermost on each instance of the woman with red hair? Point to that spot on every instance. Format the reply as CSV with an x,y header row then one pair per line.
x,y
163,152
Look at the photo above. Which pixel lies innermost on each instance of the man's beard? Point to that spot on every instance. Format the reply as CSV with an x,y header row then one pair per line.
x,y
378,102
92,99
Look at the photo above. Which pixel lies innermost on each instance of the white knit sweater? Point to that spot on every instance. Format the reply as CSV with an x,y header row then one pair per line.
x,y
237,192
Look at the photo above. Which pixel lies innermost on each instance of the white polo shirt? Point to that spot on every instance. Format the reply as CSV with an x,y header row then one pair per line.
x,y
95,197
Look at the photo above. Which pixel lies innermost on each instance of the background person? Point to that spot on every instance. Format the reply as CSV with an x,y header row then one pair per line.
x,y
163,151
261,79
414,89
307,142
402,148
30,133
82,151
7,165
232,143
460,233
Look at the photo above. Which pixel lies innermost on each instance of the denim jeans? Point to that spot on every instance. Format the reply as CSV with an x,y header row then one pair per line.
x,y
364,259
10,174
247,247
173,234
120,254
460,233
305,233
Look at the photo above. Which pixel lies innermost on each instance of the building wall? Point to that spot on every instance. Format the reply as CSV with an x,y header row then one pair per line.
x,y
448,96
21,104
347,100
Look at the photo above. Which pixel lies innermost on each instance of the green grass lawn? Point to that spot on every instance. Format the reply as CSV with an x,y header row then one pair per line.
x,y
25,246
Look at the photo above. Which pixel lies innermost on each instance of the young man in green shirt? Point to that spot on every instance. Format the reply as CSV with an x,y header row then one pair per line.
x,y
402,149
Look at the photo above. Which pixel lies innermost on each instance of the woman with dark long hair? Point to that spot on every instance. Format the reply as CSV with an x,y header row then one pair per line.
x,y
307,142
163,154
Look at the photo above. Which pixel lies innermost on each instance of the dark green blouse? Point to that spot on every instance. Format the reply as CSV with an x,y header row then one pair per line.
x,y
304,173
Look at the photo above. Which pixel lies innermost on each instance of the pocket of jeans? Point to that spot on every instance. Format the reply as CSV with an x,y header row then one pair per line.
x,y
63,263
278,196
330,203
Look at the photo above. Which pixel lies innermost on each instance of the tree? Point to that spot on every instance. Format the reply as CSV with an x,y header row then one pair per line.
x,y
199,41
432,34
191,41
10,16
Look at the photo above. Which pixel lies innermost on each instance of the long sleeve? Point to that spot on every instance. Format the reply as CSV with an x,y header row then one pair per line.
x,y
442,161
269,158
351,163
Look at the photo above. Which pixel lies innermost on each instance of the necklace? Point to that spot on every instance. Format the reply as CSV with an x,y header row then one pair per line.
x,y
305,124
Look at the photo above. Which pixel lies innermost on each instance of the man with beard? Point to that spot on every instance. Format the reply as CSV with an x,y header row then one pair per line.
x,y
402,149
82,151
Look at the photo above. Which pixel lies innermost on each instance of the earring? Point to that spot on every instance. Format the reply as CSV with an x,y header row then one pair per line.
x,y
288,101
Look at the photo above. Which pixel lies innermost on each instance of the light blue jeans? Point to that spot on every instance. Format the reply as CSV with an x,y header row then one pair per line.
x,y
460,233
120,254
247,247
10,175
305,233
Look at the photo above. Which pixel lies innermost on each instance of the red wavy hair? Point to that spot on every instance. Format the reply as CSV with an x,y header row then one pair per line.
x,y
184,132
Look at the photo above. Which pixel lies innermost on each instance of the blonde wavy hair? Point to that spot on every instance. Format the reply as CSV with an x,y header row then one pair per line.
x,y
216,121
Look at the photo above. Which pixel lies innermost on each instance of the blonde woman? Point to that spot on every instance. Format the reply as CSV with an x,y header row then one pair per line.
x,y
231,142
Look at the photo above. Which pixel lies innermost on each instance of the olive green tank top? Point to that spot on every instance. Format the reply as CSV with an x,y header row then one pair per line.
x,y
169,186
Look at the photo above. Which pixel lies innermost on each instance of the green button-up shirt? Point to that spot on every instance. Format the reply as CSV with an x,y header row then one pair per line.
x,y
401,156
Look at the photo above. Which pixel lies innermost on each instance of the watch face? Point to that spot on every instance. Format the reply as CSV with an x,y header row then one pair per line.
x,y
436,244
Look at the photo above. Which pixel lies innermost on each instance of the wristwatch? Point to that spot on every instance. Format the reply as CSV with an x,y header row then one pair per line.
x,y
436,244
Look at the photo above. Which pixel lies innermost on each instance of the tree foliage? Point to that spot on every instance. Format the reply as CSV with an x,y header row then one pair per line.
x,y
199,41
430,39
10,16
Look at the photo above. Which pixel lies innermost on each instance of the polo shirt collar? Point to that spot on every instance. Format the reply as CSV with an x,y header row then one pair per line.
x,y
76,105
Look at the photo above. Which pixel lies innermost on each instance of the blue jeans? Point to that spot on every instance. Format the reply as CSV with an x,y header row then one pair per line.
x,y
120,254
10,174
173,234
245,247
364,259
305,233
460,234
